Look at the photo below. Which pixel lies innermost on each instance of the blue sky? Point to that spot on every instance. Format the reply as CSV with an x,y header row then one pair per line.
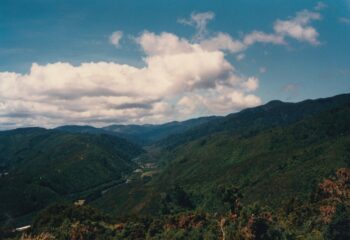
x,y
75,32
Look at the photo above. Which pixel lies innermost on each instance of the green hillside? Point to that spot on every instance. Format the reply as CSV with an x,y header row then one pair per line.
x,y
325,216
41,166
269,163
253,120
268,166
277,171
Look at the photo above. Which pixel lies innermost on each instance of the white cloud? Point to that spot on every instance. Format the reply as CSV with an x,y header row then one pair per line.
x,y
199,21
299,28
261,37
223,41
115,38
220,101
164,44
180,79
105,92
251,84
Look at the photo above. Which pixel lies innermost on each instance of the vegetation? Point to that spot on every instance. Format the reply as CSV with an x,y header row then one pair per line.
x,y
148,134
278,171
45,166
291,158
324,216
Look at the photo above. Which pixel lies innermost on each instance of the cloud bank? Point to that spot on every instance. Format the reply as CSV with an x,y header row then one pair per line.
x,y
181,78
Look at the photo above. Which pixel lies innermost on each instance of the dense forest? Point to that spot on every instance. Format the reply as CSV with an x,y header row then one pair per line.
x,y
324,215
276,171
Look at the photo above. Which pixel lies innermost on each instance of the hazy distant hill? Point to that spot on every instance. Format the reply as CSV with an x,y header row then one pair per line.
x,y
141,134
82,129
148,134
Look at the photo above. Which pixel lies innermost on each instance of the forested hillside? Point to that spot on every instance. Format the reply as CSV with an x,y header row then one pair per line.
x,y
277,171
252,120
39,167
267,165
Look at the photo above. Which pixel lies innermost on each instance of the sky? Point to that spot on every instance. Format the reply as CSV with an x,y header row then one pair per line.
x,y
135,62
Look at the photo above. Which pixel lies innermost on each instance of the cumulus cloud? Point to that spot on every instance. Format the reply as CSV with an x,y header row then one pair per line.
x,y
223,41
102,92
261,37
164,44
299,28
115,38
180,78
251,84
222,100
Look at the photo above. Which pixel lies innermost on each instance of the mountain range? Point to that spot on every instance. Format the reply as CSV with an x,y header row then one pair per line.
x,y
272,155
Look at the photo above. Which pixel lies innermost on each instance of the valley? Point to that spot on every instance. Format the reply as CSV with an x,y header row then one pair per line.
x,y
214,173
174,120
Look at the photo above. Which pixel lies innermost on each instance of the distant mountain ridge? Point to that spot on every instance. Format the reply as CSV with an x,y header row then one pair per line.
x,y
289,146
146,134
172,133
274,113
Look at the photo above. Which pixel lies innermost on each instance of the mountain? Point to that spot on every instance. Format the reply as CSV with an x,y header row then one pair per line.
x,y
82,129
271,153
148,134
276,171
40,166
172,134
252,120
268,166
